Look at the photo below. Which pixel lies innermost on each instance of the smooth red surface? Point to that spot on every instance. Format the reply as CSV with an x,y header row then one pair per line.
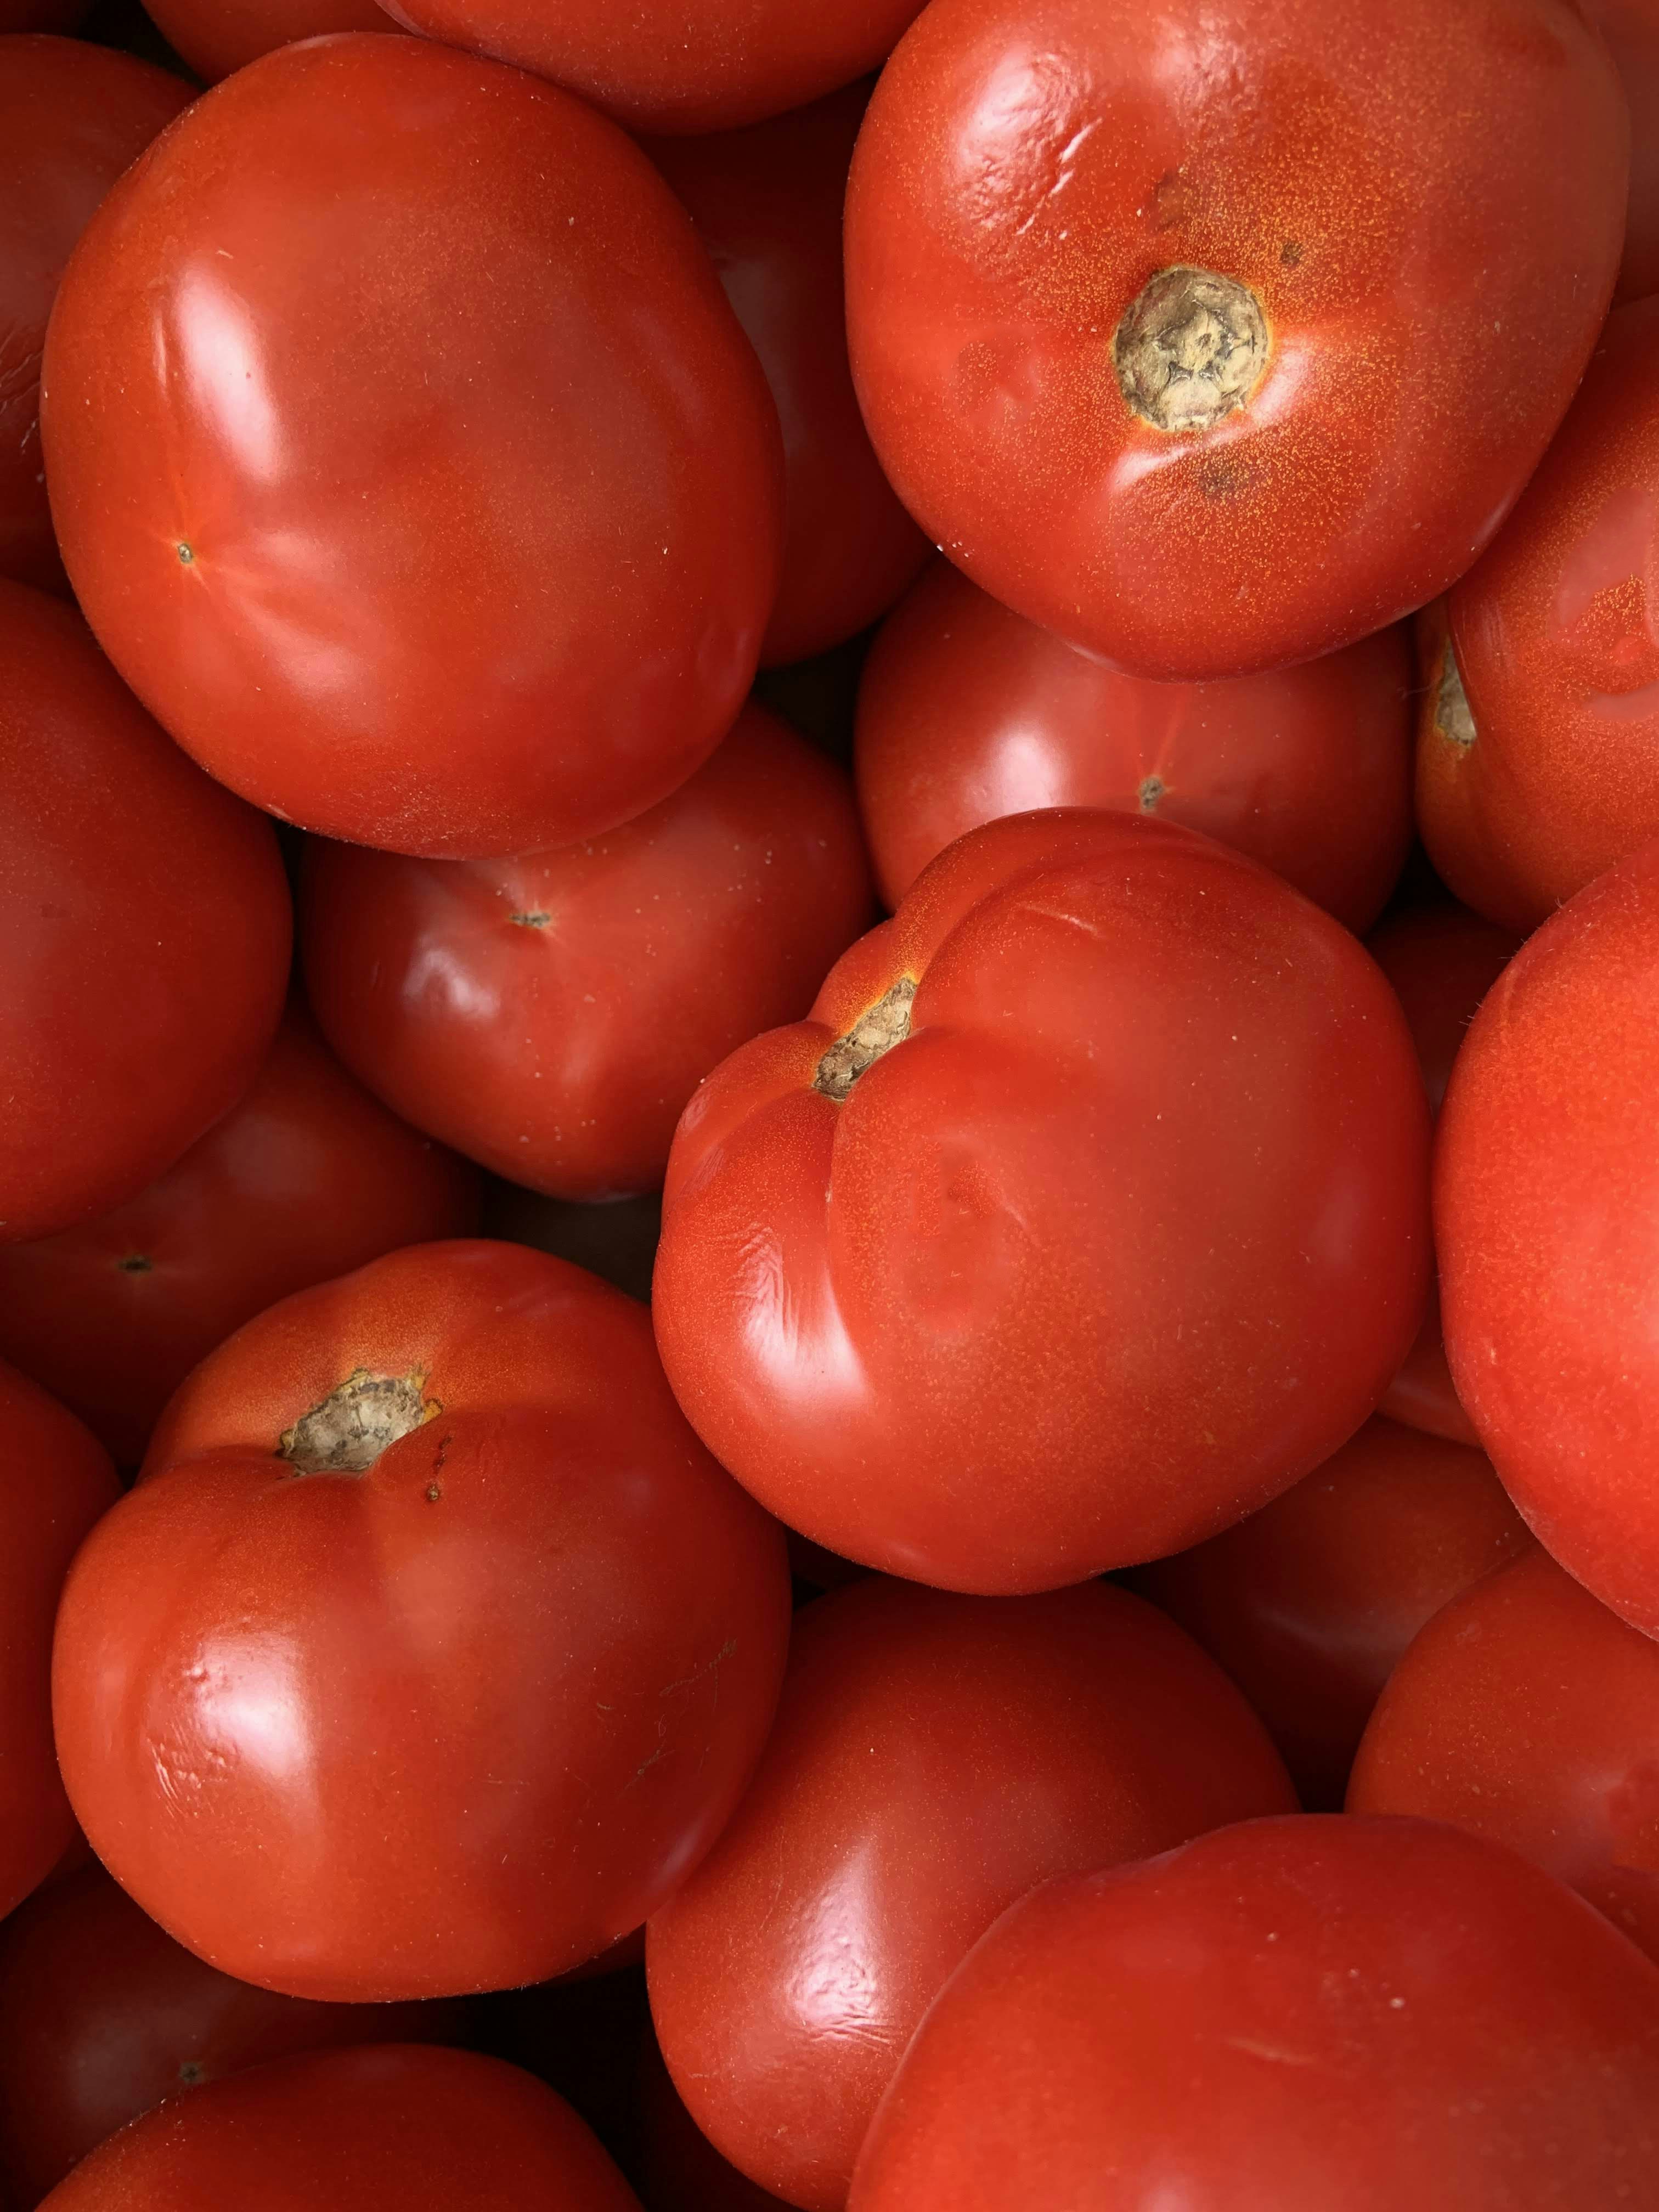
x,y
1431,290
305,1178
1552,633
218,36
1527,1712
1127,1236
678,2164
58,1481
967,713
1631,28
935,1758
767,203
102,2015
456,1722
551,1015
72,116
1310,1603
144,934
390,2129
1546,1220
1304,2016
480,483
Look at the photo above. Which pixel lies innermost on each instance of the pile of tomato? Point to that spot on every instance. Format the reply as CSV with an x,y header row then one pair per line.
x,y
830,1106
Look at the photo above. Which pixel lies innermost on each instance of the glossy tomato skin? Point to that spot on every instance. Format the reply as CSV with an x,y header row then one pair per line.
x,y
1364,176
72,116
1527,1712
491,1803
394,2128
549,1015
767,203
1631,28
1547,1221
305,1178
1309,1604
1544,770
1124,1236
218,36
138,994
1480,2040
954,1751
423,483
967,712
102,2015
58,1480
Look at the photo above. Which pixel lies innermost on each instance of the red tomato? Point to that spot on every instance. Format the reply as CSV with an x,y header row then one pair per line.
x,y
101,2015
678,2164
1214,334
306,1178
58,1481
1085,1214
767,203
1527,1712
407,457
72,116
1310,1603
309,1708
390,2129
1538,759
967,712
1547,1219
145,931
218,36
1305,2015
550,1014
1631,28
934,1757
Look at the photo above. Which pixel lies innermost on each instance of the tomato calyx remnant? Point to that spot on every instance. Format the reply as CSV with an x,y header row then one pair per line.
x,y
346,1432
1191,347
1454,717
877,1031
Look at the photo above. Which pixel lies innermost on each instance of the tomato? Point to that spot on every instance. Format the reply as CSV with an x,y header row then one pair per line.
x,y
767,203
72,116
1631,28
582,2035
390,2129
58,1481
1547,1219
967,712
421,480
678,2164
306,1178
934,1757
144,932
309,1707
1085,1214
1315,2014
1527,1712
681,65
1214,334
1310,1603
101,2015
218,36
550,1014
1538,759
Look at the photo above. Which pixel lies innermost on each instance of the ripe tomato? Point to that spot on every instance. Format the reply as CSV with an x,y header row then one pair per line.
x,y
934,1757
550,1014
395,1483
1085,1213
1319,2015
72,116
1527,1712
390,2129
218,36
307,1178
678,2164
58,1481
1538,759
967,712
102,2015
1547,1219
1631,28
1214,334
767,203
1310,1603
421,481
145,931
